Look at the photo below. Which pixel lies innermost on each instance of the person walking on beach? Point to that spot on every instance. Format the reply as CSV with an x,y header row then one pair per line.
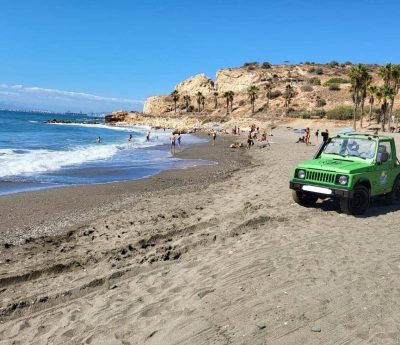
x,y
148,136
173,143
214,137
316,135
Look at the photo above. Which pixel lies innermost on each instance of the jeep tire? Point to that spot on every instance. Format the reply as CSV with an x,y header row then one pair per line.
x,y
304,199
358,204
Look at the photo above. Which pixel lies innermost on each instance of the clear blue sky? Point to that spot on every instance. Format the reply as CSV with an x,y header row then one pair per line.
x,y
128,50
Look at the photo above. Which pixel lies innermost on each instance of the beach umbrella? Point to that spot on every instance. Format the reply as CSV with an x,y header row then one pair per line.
x,y
346,130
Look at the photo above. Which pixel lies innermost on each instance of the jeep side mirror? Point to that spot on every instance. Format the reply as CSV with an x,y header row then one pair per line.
x,y
382,157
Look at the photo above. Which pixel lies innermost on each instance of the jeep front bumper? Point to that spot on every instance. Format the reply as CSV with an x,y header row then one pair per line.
x,y
321,190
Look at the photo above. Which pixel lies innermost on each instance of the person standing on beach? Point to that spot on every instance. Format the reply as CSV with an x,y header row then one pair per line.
x,y
316,135
173,143
325,136
214,137
307,136
130,138
249,141
148,136
179,139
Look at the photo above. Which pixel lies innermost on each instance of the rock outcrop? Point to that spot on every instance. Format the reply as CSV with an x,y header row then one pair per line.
x,y
198,83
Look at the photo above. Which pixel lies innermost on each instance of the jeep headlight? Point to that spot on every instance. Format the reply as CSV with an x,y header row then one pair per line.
x,y
301,174
342,179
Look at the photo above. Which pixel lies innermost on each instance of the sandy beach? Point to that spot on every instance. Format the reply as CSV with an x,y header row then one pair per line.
x,y
215,254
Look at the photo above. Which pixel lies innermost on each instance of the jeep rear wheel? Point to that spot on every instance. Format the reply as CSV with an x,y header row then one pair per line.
x,y
394,196
304,199
358,204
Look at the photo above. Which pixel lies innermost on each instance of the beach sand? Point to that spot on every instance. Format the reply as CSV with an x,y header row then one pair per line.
x,y
210,255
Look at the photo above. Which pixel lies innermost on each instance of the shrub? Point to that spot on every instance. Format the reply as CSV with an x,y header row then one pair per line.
x,y
266,65
307,88
336,80
248,64
334,87
320,112
190,109
275,94
314,81
320,102
342,112
348,63
242,103
333,64
316,70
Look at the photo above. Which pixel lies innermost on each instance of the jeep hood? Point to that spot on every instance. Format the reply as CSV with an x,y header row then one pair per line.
x,y
335,165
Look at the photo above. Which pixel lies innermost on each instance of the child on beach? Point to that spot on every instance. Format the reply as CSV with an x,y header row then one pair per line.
x,y
173,143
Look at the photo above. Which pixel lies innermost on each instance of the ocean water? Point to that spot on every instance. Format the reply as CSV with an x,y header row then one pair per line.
x,y
36,155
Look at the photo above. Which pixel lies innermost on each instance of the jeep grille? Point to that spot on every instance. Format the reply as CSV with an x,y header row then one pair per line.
x,y
320,176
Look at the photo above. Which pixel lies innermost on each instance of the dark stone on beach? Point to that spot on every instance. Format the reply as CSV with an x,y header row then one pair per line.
x,y
316,329
7,245
260,327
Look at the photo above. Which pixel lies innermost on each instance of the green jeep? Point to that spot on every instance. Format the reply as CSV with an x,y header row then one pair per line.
x,y
350,168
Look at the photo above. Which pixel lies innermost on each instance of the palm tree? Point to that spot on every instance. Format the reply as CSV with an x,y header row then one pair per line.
x,y
358,78
231,94
390,75
186,98
215,94
252,92
288,95
228,95
199,97
365,82
268,88
379,96
175,98
371,90
203,101
386,93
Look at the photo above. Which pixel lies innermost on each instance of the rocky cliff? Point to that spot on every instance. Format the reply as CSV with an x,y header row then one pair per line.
x,y
311,84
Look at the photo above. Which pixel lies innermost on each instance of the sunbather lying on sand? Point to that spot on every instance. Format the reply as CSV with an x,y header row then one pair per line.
x,y
236,145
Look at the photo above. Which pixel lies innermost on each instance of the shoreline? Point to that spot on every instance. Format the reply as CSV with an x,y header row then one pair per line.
x,y
53,211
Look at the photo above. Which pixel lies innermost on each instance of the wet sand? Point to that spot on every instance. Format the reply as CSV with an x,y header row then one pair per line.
x,y
53,211
224,258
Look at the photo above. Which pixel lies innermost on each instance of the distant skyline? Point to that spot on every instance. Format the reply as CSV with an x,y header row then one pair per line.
x,y
107,55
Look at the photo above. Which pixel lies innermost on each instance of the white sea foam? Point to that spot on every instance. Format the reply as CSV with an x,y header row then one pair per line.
x,y
14,163
125,128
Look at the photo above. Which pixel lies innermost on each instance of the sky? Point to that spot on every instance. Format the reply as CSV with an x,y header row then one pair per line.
x,y
86,55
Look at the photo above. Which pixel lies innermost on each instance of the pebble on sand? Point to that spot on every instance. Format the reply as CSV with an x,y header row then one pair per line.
x,y
316,329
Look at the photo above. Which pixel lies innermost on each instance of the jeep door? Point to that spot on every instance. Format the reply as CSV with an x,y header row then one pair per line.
x,y
385,171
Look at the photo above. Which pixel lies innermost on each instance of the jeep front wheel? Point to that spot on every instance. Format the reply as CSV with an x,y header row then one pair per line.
x,y
358,204
304,199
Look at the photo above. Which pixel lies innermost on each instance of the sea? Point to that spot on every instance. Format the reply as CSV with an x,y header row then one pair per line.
x,y
37,155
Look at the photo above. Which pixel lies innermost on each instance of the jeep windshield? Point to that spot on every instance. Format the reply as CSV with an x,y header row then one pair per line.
x,y
350,147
